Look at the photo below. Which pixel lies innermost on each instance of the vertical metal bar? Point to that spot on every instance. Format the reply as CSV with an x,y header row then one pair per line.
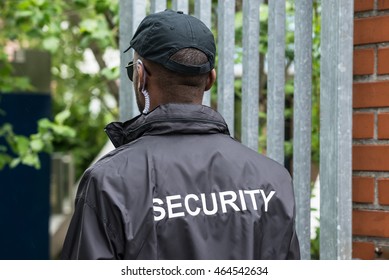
x,y
157,6
276,81
203,12
335,129
226,45
250,78
181,5
131,14
302,123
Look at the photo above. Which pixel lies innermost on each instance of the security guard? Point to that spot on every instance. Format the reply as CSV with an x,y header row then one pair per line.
x,y
178,186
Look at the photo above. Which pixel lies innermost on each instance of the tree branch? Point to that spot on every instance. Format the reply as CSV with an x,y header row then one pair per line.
x,y
111,24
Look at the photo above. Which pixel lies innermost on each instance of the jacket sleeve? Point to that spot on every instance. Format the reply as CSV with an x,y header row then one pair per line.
x,y
90,235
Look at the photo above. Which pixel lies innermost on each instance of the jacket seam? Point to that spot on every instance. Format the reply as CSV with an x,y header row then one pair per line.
x,y
144,242
105,221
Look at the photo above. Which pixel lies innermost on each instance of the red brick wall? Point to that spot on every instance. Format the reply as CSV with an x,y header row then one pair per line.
x,y
370,128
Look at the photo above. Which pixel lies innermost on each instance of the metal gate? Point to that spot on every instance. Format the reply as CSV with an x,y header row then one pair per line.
x,y
335,107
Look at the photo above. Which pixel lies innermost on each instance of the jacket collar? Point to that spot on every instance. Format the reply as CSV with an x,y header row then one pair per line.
x,y
168,119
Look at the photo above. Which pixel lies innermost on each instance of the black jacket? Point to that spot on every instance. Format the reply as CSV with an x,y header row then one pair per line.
x,y
179,187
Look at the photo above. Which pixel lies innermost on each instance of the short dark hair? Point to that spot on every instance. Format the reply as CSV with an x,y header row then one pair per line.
x,y
173,82
189,56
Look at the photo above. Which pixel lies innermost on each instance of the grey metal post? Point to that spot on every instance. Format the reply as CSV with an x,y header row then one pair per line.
x,y
180,5
250,78
335,129
276,81
157,6
203,12
131,14
302,123
226,46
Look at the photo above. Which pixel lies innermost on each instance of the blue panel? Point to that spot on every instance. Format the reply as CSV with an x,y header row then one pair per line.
x,y
24,191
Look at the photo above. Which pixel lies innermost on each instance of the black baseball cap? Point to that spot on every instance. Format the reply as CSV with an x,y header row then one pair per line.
x,y
161,35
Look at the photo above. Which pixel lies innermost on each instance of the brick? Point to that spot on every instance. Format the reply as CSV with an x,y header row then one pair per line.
x,y
383,61
370,223
363,189
363,5
382,4
363,62
383,191
371,94
363,250
371,157
371,30
363,125
383,126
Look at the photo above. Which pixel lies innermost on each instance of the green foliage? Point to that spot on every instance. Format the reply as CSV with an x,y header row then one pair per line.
x,y
25,150
315,245
8,81
316,83
84,100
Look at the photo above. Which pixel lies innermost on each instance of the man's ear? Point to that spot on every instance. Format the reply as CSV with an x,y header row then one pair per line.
x,y
139,70
211,79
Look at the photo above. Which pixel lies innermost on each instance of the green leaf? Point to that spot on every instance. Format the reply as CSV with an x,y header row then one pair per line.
x,y
22,144
21,83
111,73
5,129
31,160
44,124
101,34
61,117
89,25
264,12
24,14
23,5
51,43
39,2
47,137
37,145
64,131
101,6
15,162
4,160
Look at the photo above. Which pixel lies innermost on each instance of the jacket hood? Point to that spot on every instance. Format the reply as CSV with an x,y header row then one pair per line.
x,y
168,119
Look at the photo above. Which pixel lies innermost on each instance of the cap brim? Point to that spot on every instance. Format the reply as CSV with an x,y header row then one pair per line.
x,y
126,50
188,69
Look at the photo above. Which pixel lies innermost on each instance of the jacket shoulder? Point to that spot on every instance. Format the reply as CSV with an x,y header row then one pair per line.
x,y
270,166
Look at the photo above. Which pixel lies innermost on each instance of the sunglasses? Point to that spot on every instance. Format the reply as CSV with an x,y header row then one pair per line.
x,y
130,70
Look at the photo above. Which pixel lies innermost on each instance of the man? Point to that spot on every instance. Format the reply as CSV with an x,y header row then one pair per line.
x,y
178,186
